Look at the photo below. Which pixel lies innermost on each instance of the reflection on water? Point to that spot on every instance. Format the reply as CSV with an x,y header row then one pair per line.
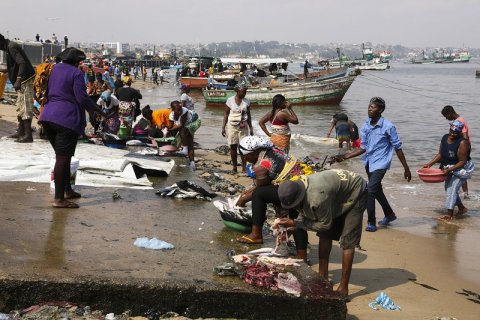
x,y
54,254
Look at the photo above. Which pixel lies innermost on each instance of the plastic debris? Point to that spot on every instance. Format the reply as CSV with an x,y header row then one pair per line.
x,y
226,269
153,243
116,195
383,301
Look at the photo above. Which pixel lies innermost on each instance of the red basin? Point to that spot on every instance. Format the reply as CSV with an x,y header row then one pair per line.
x,y
431,175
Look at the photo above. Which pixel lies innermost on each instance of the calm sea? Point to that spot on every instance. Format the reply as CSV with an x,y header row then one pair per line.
x,y
414,95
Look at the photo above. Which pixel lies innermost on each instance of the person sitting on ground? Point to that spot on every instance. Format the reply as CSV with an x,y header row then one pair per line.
x,y
143,123
183,125
109,105
342,129
280,116
455,161
332,203
277,167
237,122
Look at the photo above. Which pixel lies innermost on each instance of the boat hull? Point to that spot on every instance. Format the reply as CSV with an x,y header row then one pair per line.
x,y
194,82
328,92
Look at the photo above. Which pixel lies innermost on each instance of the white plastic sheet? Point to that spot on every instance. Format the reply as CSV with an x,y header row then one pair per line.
x,y
99,166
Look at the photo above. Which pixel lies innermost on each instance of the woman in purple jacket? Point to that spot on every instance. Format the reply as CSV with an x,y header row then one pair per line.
x,y
63,118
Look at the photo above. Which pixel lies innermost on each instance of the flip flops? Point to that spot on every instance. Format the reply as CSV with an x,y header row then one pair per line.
x,y
65,204
248,240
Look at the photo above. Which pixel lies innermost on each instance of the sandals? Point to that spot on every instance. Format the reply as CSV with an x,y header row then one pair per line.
x,y
248,240
65,204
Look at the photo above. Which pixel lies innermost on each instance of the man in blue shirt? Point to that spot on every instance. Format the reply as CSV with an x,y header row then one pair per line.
x,y
379,139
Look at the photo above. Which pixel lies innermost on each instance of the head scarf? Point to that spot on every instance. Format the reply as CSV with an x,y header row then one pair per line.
x,y
250,144
105,96
72,55
456,126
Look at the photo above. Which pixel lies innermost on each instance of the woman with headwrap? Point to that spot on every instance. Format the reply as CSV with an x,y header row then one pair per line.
x,y
63,119
280,116
237,122
109,105
455,161
272,166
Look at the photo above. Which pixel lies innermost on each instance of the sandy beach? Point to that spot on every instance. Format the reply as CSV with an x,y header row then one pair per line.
x,y
418,273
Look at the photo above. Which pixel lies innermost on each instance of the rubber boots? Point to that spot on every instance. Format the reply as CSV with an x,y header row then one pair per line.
x,y
20,130
27,137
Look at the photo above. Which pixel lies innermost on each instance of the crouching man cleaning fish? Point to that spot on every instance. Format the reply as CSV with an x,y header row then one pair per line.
x,y
331,203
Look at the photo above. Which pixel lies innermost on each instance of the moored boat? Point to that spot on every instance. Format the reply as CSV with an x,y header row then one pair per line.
x,y
194,82
327,92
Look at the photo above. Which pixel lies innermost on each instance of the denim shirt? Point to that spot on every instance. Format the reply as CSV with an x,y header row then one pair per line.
x,y
379,142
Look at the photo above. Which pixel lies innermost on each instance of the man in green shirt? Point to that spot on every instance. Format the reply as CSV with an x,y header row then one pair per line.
x,y
332,203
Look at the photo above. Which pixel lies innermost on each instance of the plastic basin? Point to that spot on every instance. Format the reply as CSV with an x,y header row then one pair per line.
x,y
431,175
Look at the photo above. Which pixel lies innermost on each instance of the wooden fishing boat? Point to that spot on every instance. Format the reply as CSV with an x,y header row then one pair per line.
x,y
327,92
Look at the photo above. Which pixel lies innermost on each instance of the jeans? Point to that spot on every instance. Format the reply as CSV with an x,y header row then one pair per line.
x,y
452,186
375,191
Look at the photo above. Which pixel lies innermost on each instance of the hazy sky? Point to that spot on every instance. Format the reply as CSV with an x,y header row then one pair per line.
x,y
413,23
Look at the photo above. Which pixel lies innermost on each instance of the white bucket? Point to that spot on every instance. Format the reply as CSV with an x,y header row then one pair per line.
x,y
73,172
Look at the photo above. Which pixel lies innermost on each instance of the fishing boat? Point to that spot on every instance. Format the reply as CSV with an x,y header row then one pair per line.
x,y
327,92
461,56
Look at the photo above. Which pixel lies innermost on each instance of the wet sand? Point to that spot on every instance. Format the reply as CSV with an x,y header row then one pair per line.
x,y
417,269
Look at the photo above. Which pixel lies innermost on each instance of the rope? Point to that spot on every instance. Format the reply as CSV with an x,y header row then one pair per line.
x,y
412,89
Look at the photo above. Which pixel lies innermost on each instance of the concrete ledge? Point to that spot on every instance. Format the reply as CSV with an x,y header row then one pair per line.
x,y
201,300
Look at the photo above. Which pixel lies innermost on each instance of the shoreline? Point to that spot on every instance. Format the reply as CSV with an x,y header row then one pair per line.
x,y
391,260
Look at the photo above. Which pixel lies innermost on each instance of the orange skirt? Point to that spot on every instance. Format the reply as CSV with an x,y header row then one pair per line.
x,y
281,141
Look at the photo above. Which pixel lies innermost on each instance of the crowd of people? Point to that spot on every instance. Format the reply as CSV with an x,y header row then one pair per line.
x,y
330,202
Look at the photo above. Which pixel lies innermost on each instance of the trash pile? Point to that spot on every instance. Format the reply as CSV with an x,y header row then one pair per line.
x,y
71,311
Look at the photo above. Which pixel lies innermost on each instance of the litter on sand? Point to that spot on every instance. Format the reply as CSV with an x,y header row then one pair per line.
x,y
153,243
383,301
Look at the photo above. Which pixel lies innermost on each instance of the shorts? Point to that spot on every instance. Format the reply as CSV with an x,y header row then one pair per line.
x,y
63,140
25,100
348,227
236,133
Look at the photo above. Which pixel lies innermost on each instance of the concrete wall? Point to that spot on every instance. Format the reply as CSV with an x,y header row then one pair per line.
x,y
36,51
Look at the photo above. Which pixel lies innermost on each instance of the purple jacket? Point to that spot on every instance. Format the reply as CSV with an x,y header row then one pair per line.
x,y
67,98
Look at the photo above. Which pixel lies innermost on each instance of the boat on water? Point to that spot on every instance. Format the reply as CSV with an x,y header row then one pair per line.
x,y
326,92
369,60
440,56
371,65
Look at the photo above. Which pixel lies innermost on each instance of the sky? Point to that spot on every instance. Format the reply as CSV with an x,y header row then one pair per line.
x,y
411,23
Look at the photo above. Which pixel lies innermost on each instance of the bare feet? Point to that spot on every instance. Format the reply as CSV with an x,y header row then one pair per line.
x,y
62,203
446,217
343,291
461,211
